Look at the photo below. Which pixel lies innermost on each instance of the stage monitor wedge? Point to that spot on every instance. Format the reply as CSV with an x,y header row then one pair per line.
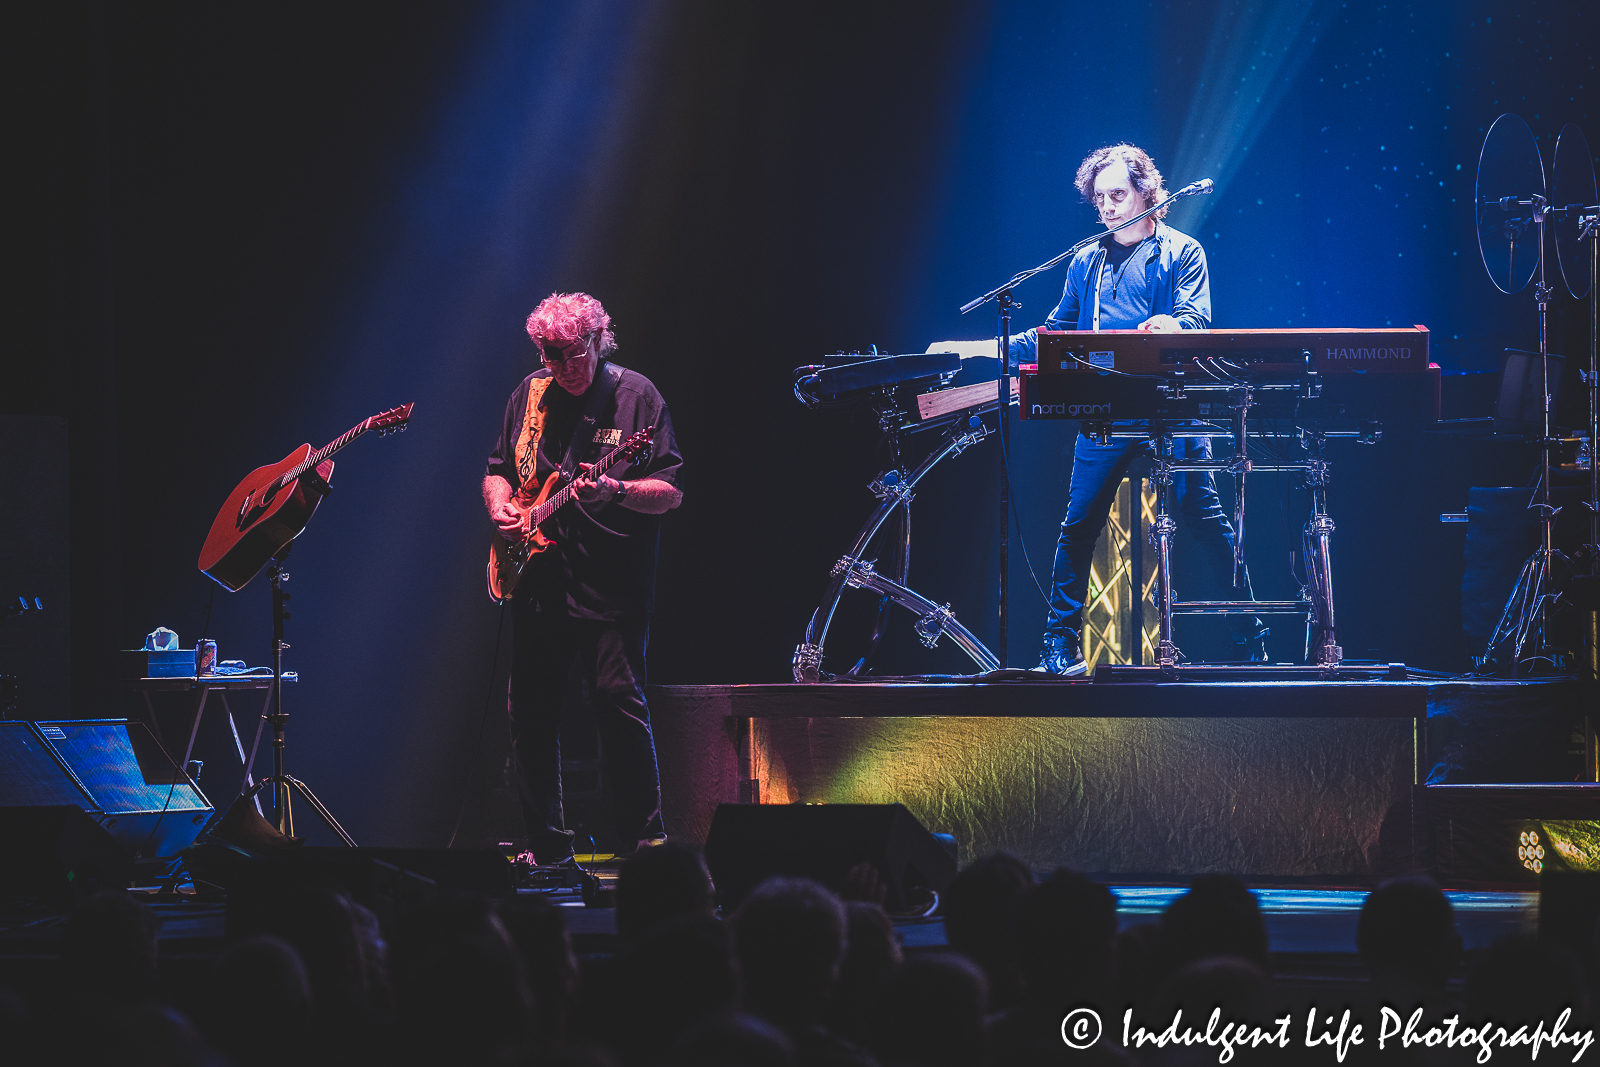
x,y
32,773
750,843
58,852
148,803
114,769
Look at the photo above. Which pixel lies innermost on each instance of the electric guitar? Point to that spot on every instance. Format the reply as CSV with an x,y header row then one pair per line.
x,y
508,558
273,504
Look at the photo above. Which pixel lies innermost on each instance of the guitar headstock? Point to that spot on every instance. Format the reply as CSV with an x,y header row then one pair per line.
x,y
392,421
637,444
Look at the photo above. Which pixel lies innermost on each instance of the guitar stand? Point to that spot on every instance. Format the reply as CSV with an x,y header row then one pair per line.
x,y
282,783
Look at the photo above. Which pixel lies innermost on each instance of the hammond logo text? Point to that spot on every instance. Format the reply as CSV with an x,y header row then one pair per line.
x,y
1368,353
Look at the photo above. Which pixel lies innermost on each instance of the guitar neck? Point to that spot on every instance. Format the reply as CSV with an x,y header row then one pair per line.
x,y
325,452
565,493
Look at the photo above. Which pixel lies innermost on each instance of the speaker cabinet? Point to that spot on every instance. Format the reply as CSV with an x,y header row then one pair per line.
x,y
263,888
114,769
750,843
58,852
148,803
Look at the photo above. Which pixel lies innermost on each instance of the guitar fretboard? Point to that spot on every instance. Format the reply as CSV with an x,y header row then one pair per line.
x,y
562,495
324,452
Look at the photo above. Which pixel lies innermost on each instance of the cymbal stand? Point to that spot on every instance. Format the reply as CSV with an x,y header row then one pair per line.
x,y
282,783
1589,230
1526,616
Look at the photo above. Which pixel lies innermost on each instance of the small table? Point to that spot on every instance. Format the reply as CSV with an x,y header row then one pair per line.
x,y
202,687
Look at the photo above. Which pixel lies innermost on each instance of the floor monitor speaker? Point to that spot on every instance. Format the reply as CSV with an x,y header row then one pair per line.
x,y
58,852
144,799
750,843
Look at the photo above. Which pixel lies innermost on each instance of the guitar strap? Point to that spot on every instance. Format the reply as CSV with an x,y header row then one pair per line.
x,y
606,377
527,452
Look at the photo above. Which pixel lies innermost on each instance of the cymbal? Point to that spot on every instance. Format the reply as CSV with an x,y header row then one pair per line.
x,y
1572,187
1510,191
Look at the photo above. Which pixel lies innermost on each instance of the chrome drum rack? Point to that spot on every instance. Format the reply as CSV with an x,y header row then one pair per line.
x,y
895,491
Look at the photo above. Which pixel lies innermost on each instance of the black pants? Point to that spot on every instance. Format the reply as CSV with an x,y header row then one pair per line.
x,y
611,657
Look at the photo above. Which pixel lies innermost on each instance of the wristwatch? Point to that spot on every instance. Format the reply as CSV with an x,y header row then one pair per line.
x,y
622,491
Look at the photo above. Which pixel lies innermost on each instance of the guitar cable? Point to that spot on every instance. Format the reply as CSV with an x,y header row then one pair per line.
x,y
1011,500
483,721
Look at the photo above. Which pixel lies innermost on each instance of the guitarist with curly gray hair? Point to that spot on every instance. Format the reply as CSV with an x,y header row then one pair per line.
x,y
585,466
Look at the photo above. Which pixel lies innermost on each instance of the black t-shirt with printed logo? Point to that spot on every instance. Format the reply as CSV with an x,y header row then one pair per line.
x,y
603,565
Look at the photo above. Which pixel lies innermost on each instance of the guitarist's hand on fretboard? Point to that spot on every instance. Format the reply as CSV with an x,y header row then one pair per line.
x,y
591,491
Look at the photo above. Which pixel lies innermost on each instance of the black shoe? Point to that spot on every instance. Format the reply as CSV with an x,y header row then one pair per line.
x,y
1062,655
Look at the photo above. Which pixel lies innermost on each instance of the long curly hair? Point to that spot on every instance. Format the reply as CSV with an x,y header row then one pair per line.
x,y
569,317
1146,178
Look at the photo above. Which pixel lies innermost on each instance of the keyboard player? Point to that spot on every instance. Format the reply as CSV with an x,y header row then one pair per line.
x,y
1147,277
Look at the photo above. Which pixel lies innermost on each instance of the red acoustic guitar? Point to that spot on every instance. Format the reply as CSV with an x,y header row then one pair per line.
x,y
273,504
506,559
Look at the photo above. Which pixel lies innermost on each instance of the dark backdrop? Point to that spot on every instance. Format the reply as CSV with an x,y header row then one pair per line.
x,y
236,229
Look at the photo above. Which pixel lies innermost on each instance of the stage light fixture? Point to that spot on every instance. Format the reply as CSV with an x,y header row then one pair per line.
x,y
1530,851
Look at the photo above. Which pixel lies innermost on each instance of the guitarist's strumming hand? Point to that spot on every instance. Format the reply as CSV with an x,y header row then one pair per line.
x,y
507,518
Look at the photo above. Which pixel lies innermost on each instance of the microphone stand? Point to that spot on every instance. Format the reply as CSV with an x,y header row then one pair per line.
x,y
1004,303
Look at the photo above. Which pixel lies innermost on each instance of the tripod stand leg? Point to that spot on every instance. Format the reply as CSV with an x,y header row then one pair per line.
x,y
285,784
320,809
284,800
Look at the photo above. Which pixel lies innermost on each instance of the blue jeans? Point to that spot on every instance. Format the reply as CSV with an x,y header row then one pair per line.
x,y
1097,471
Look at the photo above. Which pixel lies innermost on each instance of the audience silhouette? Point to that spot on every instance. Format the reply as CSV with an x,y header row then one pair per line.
x,y
794,977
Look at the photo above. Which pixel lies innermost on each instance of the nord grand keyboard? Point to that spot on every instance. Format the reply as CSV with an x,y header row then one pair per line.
x,y
1311,376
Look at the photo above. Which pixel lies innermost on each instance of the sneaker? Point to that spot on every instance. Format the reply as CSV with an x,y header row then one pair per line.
x,y
1063,655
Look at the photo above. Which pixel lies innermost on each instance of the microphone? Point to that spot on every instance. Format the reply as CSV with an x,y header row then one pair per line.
x,y
1204,185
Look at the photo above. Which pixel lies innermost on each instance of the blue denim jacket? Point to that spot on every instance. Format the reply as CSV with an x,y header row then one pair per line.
x,y
1177,284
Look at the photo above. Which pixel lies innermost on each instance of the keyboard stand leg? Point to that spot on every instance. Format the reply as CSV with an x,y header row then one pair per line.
x,y
1325,652
1161,532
